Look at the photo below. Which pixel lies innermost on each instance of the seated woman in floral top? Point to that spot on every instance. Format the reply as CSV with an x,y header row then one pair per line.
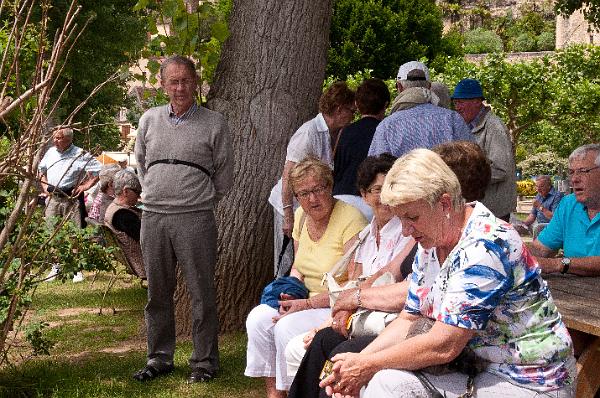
x,y
474,276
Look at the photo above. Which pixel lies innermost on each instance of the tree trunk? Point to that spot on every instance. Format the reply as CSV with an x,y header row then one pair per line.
x,y
267,84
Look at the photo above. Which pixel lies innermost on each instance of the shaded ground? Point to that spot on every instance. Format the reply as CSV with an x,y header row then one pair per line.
x,y
95,354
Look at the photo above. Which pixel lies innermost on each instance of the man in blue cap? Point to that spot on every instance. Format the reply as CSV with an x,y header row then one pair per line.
x,y
492,136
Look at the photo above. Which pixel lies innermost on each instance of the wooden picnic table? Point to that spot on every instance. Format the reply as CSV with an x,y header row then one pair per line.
x,y
578,301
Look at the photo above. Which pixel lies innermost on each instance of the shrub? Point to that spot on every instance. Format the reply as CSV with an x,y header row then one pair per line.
x,y
382,35
543,163
546,41
524,42
479,41
526,188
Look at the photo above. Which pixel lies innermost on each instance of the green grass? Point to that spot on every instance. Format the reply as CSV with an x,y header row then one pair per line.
x,y
521,216
96,354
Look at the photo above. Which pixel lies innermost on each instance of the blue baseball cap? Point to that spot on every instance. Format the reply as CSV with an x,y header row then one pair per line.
x,y
468,89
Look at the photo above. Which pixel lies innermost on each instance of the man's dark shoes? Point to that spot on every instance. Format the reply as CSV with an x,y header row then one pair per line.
x,y
150,372
200,375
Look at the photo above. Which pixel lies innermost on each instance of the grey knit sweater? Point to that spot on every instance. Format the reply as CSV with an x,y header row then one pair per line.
x,y
203,139
492,136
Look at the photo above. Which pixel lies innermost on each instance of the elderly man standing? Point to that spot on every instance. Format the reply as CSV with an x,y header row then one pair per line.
x,y
66,172
416,121
492,136
575,225
545,203
185,166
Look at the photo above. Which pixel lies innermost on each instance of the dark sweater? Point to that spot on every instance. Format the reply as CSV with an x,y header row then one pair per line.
x,y
127,221
352,149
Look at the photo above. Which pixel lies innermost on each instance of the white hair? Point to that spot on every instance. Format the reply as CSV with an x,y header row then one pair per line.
x,y
420,174
66,132
106,175
583,150
544,177
406,84
126,179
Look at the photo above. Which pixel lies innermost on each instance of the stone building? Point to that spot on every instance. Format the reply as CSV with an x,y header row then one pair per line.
x,y
575,30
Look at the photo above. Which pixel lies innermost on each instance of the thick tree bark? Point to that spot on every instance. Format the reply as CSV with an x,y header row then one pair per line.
x,y
267,84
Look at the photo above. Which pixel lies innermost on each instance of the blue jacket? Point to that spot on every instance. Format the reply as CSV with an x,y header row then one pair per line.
x,y
285,284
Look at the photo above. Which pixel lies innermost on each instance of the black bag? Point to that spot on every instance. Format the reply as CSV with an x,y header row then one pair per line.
x,y
284,245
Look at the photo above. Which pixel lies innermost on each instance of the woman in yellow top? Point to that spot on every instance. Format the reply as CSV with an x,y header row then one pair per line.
x,y
324,229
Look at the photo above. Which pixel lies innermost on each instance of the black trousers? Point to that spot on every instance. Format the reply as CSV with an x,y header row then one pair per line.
x,y
325,345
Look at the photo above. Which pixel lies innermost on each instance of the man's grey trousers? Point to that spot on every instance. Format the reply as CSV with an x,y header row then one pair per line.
x,y
190,240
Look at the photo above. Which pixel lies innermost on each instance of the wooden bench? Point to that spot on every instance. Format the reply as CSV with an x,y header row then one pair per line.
x,y
578,301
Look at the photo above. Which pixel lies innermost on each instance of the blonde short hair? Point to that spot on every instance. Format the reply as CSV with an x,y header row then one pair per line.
x,y
420,174
308,166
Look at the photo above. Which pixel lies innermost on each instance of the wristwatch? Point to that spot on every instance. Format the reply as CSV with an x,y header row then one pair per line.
x,y
566,262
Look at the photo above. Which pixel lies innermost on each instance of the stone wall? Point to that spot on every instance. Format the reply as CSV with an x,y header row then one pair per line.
x,y
511,57
575,29
572,30
496,8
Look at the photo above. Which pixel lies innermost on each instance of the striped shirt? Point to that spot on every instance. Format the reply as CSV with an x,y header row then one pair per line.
x,y
423,126
176,120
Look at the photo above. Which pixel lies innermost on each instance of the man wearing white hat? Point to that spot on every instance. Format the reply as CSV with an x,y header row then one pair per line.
x,y
416,120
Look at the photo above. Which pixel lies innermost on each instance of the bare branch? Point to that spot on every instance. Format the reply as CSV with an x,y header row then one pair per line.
x,y
114,77
27,94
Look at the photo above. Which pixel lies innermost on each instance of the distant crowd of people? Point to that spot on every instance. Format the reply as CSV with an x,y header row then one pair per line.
x,y
415,206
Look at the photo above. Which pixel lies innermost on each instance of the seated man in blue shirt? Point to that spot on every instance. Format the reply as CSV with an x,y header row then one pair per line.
x,y
575,225
545,203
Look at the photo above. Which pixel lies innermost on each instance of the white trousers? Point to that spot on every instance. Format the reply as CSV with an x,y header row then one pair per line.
x,y
265,355
390,383
294,352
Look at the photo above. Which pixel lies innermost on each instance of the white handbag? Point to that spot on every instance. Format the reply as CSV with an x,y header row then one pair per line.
x,y
338,270
364,322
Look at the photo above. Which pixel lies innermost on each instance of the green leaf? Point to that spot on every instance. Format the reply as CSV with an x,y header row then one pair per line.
x,y
205,9
219,31
151,25
172,8
141,4
153,66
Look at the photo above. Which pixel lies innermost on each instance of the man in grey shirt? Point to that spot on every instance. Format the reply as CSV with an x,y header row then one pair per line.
x,y
185,166
492,136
